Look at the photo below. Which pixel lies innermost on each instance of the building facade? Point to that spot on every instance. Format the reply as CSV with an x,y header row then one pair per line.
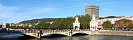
x,y
116,19
90,10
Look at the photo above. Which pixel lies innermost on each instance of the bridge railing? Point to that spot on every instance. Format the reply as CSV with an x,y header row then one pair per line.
x,y
46,31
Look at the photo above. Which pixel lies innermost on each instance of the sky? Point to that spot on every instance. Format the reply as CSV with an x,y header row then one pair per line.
x,y
14,11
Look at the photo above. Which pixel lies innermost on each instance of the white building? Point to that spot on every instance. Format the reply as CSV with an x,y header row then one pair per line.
x,y
115,19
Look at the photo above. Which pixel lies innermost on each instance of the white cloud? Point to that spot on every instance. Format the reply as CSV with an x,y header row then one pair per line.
x,y
42,10
7,13
15,14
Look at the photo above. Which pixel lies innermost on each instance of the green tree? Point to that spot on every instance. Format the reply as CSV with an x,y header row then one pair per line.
x,y
42,25
19,27
59,23
62,23
107,24
68,22
84,21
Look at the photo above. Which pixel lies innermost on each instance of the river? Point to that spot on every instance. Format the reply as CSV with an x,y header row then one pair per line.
x,y
89,37
83,37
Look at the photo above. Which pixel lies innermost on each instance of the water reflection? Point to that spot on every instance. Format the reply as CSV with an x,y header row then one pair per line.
x,y
90,37
84,37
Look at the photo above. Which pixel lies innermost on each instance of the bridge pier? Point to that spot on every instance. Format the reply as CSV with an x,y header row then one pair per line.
x,y
39,35
70,33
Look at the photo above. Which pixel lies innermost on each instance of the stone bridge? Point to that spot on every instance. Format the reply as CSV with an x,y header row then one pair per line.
x,y
40,33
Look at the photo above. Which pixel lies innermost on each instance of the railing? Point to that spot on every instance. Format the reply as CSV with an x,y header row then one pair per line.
x,y
43,30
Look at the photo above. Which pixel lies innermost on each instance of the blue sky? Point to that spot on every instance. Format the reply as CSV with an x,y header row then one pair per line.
x,y
14,11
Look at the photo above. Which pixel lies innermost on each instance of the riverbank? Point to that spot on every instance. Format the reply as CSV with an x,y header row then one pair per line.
x,y
110,32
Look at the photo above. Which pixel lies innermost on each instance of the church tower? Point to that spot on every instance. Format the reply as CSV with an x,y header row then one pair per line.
x,y
76,24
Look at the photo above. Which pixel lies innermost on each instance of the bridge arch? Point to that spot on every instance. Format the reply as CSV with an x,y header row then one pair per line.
x,y
31,35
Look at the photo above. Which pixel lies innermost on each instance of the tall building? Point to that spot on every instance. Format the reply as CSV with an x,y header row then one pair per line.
x,y
92,9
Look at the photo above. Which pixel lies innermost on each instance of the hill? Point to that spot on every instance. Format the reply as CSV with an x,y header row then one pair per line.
x,y
37,20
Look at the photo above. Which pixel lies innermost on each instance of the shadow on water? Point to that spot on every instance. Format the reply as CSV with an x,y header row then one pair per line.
x,y
10,36
54,36
51,36
21,38
26,37
79,34
8,39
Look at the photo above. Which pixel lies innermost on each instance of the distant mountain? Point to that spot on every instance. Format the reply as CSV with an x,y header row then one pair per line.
x,y
111,17
108,17
37,20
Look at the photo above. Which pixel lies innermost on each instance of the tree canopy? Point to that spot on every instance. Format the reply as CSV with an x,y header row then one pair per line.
x,y
62,23
124,23
107,24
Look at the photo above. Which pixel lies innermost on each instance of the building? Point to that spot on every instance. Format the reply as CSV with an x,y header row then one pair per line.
x,y
116,19
90,10
12,24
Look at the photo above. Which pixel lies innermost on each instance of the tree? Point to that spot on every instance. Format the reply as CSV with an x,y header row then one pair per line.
x,y
124,23
59,23
107,24
42,25
62,23
67,23
19,27
84,21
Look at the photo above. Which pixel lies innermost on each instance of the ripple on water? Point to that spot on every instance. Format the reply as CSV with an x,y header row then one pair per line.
x,y
11,36
85,37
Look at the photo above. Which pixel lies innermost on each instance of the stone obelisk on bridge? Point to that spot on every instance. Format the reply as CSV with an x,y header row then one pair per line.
x,y
94,23
76,24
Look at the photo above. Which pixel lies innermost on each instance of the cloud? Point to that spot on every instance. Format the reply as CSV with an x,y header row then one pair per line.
x,y
17,14
41,10
7,13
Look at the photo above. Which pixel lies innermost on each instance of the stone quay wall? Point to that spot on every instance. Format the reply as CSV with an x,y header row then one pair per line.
x,y
109,32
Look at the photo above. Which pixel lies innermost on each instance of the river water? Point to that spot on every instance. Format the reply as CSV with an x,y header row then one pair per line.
x,y
83,37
